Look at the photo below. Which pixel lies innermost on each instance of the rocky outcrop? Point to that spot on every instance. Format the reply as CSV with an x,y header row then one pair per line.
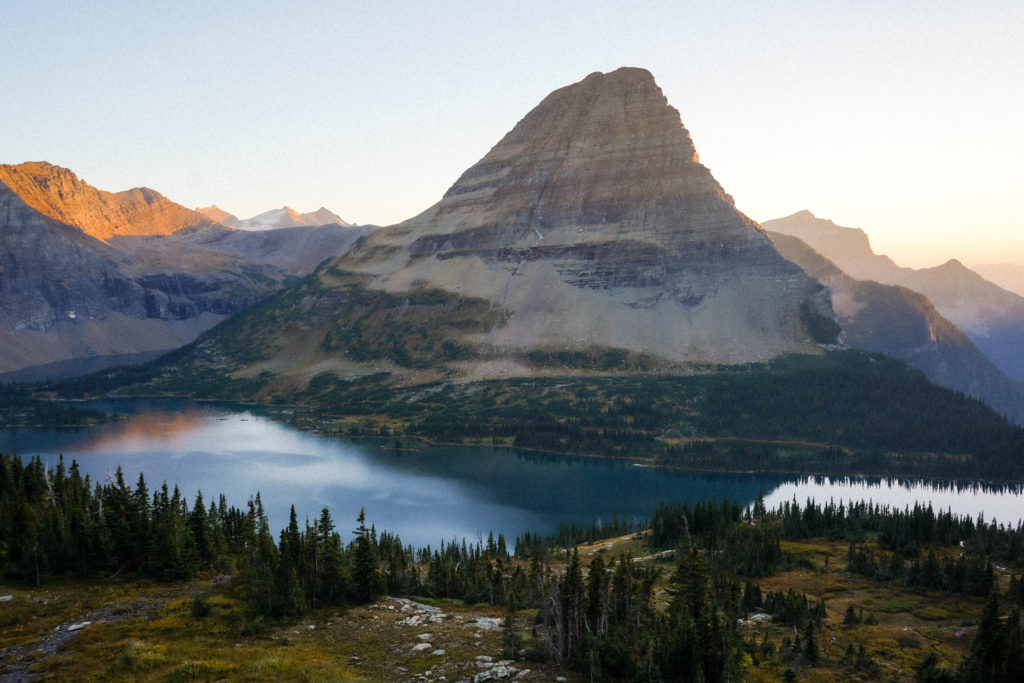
x,y
59,194
904,324
991,316
592,223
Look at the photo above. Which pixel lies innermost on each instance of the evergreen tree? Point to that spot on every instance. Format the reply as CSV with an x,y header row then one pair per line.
x,y
367,580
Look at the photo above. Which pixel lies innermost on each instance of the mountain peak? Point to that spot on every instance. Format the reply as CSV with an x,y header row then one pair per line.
x,y
592,222
624,74
218,215
287,217
591,154
58,193
625,106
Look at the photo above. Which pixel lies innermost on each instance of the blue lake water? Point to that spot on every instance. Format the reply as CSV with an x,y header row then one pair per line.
x,y
435,493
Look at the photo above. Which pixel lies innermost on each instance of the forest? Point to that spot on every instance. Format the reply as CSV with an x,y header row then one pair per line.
x,y
839,413
620,619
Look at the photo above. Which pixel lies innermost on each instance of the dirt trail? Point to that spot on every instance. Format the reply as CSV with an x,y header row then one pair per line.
x,y
18,659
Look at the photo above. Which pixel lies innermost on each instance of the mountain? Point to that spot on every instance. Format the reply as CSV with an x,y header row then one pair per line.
x,y
1009,276
64,294
586,287
59,194
89,274
991,316
590,230
592,223
904,324
286,217
217,215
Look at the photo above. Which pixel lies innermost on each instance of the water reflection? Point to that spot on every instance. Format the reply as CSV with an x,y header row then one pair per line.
x,y
1003,503
431,494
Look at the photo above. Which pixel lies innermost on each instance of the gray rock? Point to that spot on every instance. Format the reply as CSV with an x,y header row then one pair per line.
x,y
489,623
493,674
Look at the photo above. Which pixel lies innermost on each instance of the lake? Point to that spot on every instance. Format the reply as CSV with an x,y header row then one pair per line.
x,y
434,493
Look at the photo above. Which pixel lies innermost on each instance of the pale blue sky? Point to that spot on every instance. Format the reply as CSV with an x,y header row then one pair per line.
x,y
903,118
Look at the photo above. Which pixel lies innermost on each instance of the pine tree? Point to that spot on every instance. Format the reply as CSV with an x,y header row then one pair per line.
x,y
367,580
291,570
597,597
984,663
811,652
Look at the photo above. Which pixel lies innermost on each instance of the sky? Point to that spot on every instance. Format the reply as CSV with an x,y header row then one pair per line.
x,y
905,119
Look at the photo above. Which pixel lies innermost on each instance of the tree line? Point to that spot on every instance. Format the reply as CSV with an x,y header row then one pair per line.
x,y
603,620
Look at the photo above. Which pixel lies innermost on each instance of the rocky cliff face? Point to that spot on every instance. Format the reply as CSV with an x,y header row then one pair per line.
x,y
992,316
65,294
59,194
591,225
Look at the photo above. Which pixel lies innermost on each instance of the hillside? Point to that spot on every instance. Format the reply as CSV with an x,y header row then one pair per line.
x,y
722,590
903,324
992,316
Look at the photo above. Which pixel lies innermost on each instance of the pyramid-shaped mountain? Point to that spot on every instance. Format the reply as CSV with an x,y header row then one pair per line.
x,y
593,224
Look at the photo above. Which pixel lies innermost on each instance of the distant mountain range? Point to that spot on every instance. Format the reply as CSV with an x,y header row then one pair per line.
x,y
1007,275
285,217
991,316
904,324
86,273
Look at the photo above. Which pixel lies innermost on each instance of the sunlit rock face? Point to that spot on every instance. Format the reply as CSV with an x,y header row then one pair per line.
x,y
58,193
593,223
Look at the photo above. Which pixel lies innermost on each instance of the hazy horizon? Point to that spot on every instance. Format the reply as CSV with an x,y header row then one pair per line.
x,y
901,121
